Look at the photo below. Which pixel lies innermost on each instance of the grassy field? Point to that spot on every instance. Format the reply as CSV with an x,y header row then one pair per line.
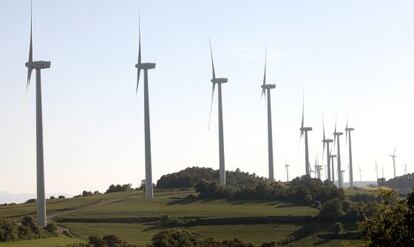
x,y
50,242
127,205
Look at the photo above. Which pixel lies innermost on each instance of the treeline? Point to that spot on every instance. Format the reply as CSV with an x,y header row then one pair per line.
x,y
403,184
191,176
302,190
24,230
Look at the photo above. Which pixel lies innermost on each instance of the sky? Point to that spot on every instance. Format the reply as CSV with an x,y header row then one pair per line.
x,y
351,60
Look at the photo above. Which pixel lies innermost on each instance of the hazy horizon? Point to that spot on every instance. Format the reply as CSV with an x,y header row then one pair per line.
x,y
352,60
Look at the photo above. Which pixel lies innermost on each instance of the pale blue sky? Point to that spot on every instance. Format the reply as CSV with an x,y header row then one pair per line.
x,y
350,58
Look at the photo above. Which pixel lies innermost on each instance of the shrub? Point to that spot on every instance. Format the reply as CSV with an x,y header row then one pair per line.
x,y
51,228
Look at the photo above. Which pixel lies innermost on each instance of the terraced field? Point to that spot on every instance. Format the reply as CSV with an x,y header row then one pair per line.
x,y
135,219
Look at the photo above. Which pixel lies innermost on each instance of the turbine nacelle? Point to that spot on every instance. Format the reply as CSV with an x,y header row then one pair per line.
x,y
268,86
349,129
332,155
145,66
219,80
338,133
327,140
38,65
303,129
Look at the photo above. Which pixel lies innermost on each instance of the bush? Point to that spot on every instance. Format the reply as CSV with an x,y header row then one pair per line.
x,y
119,188
51,228
332,210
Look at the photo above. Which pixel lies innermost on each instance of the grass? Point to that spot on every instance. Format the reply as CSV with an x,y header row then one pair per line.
x,y
49,242
172,203
141,234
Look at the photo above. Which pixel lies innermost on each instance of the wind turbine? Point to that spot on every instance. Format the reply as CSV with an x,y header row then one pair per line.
x,y
348,139
405,169
149,192
38,66
287,171
304,131
360,174
327,142
393,156
219,81
376,169
266,91
318,169
338,156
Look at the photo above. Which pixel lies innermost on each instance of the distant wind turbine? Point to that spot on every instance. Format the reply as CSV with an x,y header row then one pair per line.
x,y
219,81
338,156
405,169
360,174
149,193
287,171
304,131
326,143
266,91
393,156
376,169
348,131
38,66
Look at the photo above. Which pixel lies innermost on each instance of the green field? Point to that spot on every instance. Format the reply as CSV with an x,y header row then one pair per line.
x,y
79,216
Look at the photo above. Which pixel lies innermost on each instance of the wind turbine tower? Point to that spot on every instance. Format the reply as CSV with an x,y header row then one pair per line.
x,y
360,174
405,169
376,169
149,193
393,156
348,138
304,131
338,156
38,66
333,156
219,82
326,143
266,91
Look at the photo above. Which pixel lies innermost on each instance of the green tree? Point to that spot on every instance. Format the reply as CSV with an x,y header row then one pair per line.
x,y
392,226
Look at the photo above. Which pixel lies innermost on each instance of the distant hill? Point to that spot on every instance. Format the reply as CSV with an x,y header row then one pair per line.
x,y
404,184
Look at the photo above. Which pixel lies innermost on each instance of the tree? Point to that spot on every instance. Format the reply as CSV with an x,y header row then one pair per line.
x,y
392,226
332,210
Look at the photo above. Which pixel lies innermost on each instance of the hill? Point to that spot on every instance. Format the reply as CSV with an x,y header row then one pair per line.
x,y
252,209
135,219
403,184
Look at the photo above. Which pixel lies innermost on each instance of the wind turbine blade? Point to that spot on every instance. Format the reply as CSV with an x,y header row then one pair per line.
x,y
264,74
395,150
211,104
139,53
303,117
29,71
212,62
324,138
346,130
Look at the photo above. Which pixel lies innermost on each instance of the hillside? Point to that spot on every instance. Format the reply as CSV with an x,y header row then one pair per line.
x,y
134,219
403,184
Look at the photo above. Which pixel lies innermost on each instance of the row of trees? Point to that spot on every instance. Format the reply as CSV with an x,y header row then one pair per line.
x,y
302,190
